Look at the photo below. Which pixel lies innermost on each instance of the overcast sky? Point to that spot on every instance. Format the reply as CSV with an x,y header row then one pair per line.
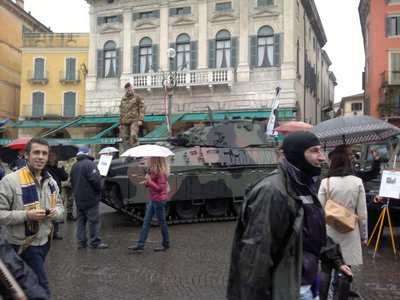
x,y
339,17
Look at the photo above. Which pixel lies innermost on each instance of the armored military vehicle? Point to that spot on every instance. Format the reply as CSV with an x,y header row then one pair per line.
x,y
211,169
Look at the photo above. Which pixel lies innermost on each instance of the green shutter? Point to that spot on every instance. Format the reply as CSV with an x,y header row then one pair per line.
x,y
69,104
277,49
193,55
156,54
100,64
118,62
211,54
70,68
253,50
37,104
388,27
135,16
234,52
172,62
100,20
135,60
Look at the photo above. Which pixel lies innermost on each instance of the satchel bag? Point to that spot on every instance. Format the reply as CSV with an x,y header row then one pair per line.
x,y
337,216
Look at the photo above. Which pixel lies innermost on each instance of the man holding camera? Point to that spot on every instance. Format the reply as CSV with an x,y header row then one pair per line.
x,y
29,202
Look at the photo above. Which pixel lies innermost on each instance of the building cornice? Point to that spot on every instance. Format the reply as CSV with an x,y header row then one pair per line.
x,y
315,20
363,11
22,14
45,50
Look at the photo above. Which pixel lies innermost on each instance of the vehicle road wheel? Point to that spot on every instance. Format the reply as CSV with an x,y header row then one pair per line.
x,y
186,210
217,207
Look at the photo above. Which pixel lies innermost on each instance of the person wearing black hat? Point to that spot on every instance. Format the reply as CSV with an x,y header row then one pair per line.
x,y
281,228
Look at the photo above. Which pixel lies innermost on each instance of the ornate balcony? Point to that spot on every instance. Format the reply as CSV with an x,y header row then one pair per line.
x,y
38,78
188,79
70,78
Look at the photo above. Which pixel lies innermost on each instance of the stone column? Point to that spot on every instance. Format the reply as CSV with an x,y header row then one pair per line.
x,y
127,48
202,35
243,70
91,76
164,44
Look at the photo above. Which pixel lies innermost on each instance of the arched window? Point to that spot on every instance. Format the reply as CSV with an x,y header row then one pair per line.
x,y
69,107
39,69
110,59
37,104
265,47
183,52
145,55
223,49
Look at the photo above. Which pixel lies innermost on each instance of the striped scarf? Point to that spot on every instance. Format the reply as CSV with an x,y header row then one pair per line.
x,y
30,198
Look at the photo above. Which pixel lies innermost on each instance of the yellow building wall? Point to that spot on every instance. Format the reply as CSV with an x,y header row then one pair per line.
x,y
55,61
11,25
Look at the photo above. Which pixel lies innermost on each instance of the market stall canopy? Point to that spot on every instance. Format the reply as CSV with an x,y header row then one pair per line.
x,y
353,130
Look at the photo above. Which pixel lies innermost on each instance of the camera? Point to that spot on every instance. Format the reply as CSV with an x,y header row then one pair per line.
x,y
47,211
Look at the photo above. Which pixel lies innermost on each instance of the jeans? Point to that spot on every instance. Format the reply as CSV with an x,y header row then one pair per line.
x,y
305,293
154,208
90,215
34,257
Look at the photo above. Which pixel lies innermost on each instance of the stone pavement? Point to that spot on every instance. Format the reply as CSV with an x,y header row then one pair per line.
x,y
196,266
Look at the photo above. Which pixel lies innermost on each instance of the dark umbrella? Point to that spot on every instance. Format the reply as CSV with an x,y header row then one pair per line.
x,y
353,130
8,155
65,152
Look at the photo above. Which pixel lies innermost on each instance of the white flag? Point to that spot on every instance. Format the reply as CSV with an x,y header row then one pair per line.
x,y
273,118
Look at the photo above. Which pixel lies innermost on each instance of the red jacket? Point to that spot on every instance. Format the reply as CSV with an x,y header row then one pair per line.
x,y
158,187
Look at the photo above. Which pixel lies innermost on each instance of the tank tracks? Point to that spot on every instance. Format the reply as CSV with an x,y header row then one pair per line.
x,y
170,221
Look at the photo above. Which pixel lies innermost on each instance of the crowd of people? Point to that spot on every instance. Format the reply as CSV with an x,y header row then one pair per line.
x,y
282,248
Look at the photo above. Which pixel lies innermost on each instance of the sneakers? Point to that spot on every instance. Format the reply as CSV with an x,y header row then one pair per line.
x,y
99,246
161,249
136,249
81,246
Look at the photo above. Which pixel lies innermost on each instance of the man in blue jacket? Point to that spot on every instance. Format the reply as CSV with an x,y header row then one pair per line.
x,y
86,187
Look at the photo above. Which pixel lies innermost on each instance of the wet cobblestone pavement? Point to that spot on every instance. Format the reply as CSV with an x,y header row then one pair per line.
x,y
195,267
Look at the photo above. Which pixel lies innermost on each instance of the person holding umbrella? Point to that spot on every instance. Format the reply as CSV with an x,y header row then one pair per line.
x,y
156,180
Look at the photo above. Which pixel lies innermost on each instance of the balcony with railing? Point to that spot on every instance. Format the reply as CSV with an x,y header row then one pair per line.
x,y
390,78
70,77
188,79
51,111
38,78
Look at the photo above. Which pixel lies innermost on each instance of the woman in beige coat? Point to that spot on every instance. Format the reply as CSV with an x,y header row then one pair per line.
x,y
348,191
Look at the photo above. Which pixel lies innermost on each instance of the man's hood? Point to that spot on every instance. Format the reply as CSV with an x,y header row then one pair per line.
x,y
84,156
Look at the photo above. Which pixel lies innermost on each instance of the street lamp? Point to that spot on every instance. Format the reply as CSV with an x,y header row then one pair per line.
x,y
169,83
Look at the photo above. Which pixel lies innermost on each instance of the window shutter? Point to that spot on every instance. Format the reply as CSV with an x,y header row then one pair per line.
x,y
172,12
120,18
100,20
388,26
69,104
37,104
253,50
277,49
172,62
135,59
193,55
70,68
100,64
234,52
211,54
156,14
118,62
156,54
135,16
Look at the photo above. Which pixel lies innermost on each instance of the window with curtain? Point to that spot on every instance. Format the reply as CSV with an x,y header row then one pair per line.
x,y
183,52
69,106
265,47
37,104
145,55
395,67
264,2
39,69
70,68
223,49
110,60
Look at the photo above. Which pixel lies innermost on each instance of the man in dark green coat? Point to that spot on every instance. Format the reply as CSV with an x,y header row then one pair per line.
x,y
281,228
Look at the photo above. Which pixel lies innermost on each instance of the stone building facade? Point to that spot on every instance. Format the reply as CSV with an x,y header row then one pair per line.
x,y
230,55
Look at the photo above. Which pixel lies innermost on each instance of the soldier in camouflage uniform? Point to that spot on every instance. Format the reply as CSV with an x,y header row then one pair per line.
x,y
68,198
132,115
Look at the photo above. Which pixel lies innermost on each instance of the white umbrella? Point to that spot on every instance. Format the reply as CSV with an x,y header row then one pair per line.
x,y
149,150
108,150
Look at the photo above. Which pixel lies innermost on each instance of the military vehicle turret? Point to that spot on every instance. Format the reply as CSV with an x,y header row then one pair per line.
x,y
211,169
